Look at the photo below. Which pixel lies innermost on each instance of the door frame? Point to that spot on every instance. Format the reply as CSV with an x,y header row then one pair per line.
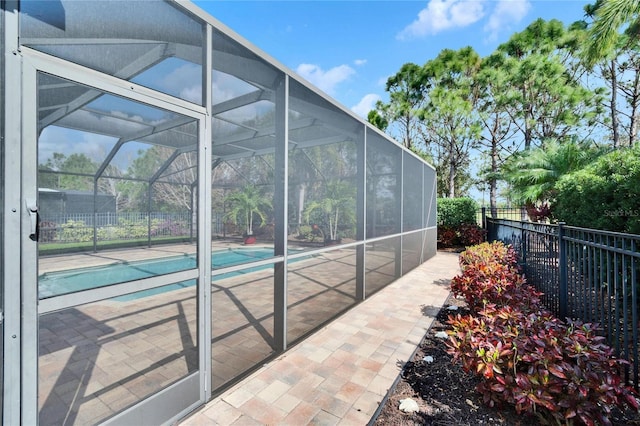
x,y
190,391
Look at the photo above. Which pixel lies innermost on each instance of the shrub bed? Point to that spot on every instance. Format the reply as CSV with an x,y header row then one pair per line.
x,y
453,212
457,223
604,195
560,372
464,235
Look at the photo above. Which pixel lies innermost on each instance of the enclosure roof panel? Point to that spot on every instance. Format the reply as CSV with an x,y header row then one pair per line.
x,y
113,39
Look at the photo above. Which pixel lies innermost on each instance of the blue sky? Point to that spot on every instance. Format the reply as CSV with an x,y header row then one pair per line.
x,y
349,48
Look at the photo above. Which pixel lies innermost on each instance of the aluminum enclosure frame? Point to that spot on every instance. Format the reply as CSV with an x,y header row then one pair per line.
x,y
296,106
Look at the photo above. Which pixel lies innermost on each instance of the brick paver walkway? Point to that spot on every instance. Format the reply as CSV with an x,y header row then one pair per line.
x,y
340,374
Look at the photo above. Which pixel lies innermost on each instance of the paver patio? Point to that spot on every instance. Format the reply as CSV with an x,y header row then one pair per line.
x,y
98,359
340,374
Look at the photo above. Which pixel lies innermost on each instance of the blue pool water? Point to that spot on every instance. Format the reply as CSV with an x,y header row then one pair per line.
x,y
69,281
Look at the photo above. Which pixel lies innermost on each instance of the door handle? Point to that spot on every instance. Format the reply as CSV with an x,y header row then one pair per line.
x,y
34,219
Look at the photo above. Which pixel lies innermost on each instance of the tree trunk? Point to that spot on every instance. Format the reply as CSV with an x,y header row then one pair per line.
x,y
452,179
527,119
301,191
493,196
635,101
614,114
408,133
493,182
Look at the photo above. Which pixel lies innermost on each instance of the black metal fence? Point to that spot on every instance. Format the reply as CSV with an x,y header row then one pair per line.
x,y
511,213
585,274
79,227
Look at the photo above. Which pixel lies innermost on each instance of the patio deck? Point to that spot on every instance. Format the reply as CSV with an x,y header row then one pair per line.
x,y
340,374
97,359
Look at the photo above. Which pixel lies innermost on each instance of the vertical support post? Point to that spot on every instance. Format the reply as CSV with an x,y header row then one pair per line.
x,y
149,192
28,262
633,357
11,279
484,218
203,222
400,192
361,211
191,193
280,213
95,214
523,248
562,269
224,212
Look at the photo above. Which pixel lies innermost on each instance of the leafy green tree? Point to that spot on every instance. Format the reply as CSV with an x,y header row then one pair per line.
x,y
547,99
335,206
247,205
497,137
610,16
533,174
172,191
449,115
462,182
74,172
400,116
309,168
603,195
619,68
47,179
377,116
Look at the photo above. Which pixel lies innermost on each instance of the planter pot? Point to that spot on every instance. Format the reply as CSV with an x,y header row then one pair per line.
x,y
250,239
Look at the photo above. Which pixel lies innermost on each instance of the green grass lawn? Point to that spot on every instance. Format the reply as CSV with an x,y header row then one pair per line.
x,y
61,248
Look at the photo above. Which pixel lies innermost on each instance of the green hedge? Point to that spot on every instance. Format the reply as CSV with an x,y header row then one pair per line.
x,y
604,195
453,212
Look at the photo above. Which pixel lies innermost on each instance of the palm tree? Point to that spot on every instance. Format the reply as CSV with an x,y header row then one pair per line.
x,y
338,204
610,15
246,204
533,174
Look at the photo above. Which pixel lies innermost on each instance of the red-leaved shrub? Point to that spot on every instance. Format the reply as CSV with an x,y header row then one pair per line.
x,y
447,236
471,234
489,252
464,235
490,275
562,373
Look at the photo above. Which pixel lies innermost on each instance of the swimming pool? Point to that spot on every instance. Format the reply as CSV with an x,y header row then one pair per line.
x,y
52,284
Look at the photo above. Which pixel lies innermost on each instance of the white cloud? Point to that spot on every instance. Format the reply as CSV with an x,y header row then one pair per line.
x,y
184,81
67,141
441,15
360,62
325,80
366,104
505,13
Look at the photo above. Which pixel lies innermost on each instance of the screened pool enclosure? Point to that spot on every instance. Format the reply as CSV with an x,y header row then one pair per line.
x,y
178,208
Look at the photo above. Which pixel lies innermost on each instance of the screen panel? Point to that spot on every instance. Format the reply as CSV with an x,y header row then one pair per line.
x,y
323,168
244,146
381,264
411,251
155,44
384,174
2,185
242,321
319,287
113,175
412,193
97,359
